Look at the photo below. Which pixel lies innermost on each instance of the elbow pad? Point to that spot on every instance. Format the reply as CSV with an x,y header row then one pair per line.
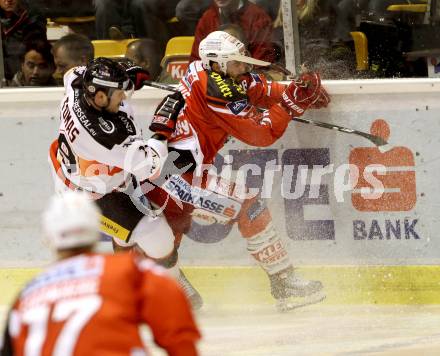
x,y
157,153
146,159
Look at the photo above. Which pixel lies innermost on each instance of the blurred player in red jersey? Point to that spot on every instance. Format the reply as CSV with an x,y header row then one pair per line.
x,y
224,98
93,304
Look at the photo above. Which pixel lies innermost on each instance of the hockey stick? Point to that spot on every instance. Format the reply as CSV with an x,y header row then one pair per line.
x,y
381,144
378,141
160,86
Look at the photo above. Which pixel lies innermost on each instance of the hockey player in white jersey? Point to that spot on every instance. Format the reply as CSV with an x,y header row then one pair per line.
x,y
100,150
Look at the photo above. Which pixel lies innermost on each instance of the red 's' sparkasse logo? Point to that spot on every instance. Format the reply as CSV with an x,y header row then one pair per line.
x,y
398,178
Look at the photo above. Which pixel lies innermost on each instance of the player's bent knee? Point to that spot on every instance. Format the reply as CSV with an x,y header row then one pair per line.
x,y
154,237
168,261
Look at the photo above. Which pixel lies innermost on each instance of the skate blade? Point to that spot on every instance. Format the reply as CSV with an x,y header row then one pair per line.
x,y
284,305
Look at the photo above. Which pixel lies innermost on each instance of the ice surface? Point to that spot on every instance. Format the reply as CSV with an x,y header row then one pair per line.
x,y
316,330
320,330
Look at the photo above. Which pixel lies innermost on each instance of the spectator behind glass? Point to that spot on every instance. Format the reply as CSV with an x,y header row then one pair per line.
x,y
61,8
71,51
188,12
234,30
112,13
68,8
37,66
345,12
270,6
378,8
145,53
150,16
237,32
118,19
17,25
255,22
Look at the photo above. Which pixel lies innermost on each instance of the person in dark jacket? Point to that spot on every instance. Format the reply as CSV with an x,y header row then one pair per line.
x,y
255,23
17,25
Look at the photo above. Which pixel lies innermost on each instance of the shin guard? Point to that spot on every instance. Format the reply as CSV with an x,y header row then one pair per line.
x,y
268,250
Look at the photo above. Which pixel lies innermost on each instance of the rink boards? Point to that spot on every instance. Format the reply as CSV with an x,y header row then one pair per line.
x,y
323,220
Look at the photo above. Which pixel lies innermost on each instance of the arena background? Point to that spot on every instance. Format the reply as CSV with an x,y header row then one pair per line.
x,y
382,252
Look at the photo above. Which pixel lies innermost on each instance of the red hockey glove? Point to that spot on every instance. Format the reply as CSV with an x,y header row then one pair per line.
x,y
165,116
323,100
302,93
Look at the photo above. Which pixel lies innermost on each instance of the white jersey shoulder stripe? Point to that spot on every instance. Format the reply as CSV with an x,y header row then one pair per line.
x,y
193,70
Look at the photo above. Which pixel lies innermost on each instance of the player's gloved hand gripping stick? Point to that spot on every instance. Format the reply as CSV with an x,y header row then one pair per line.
x,y
311,99
165,116
307,90
303,93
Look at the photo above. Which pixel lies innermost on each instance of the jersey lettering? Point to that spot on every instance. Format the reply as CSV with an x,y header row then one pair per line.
x,y
69,159
226,89
223,87
182,128
73,312
68,122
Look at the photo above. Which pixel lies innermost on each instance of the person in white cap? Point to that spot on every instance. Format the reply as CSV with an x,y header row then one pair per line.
x,y
88,303
223,98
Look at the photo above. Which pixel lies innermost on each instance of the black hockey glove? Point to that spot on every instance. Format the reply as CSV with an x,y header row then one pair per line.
x,y
136,73
165,116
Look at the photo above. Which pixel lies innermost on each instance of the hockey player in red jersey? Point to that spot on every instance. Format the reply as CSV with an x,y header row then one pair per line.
x,y
93,304
223,98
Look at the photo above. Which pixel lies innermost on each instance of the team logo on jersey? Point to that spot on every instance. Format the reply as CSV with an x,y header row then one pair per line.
x,y
256,77
202,217
222,86
236,107
106,125
128,123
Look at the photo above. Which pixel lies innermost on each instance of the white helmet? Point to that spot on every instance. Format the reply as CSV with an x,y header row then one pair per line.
x,y
71,220
221,47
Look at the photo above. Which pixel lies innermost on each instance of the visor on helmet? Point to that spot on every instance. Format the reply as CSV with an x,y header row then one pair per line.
x,y
106,75
221,47
249,60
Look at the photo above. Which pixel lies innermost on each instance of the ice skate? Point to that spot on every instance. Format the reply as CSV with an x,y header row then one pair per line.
x,y
291,291
191,293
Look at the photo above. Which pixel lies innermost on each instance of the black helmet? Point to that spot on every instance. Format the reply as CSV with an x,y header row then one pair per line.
x,y
106,75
